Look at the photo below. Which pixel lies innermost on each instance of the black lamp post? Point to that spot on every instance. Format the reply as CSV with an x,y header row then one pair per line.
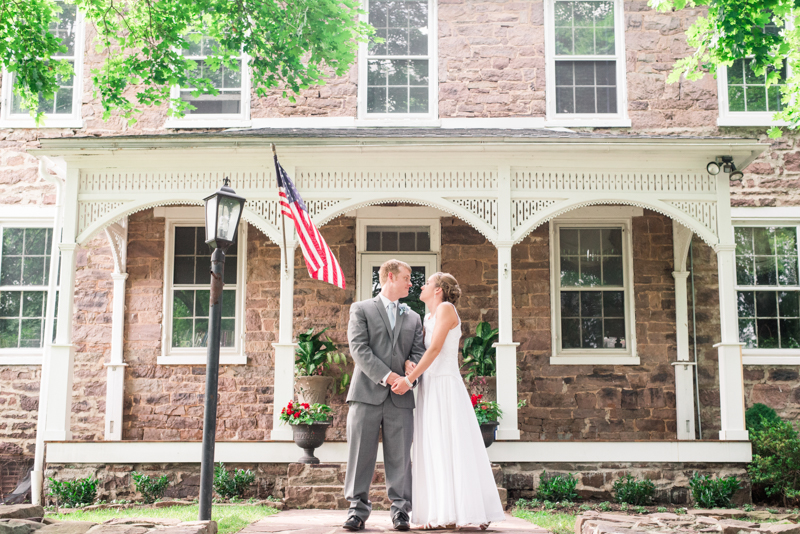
x,y
223,210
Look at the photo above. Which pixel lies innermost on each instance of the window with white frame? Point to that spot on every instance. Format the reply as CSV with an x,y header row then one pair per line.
x,y
63,109
767,286
187,294
398,75
745,99
231,104
24,281
585,60
592,291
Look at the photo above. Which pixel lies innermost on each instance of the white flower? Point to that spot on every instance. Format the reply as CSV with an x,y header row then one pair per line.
x,y
403,308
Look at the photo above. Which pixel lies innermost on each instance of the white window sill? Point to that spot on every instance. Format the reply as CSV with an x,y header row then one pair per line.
x,y
749,119
20,359
207,123
28,122
201,359
771,356
594,359
398,122
593,122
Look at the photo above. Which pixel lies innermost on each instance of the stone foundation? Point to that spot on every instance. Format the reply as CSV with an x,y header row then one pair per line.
x,y
322,486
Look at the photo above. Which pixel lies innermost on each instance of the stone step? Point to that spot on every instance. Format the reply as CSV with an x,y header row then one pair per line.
x,y
332,497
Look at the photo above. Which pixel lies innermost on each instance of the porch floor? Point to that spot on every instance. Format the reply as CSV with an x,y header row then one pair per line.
x,y
330,521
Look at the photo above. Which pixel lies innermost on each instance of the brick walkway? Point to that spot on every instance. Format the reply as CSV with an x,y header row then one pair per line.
x,y
330,522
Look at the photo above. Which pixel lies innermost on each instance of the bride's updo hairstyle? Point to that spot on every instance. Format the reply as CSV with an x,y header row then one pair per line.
x,y
449,286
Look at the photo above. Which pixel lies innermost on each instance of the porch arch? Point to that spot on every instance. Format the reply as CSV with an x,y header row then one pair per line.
x,y
564,206
115,214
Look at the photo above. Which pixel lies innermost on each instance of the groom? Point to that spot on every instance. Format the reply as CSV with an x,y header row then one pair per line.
x,y
382,336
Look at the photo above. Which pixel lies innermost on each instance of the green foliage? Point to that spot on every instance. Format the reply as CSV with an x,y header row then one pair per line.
x,y
479,354
681,511
231,485
661,509
709,492
73,493
748,507
737,30
289,45
776,459
485,411
623,507
555,522
557,487
631,491
757,415
303,414
151,489
314,356
604,506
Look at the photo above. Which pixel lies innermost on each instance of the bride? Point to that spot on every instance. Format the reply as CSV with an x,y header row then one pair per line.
x,y
452,482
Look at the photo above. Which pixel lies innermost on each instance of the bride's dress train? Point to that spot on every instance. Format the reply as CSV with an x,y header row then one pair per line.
x,y
452,481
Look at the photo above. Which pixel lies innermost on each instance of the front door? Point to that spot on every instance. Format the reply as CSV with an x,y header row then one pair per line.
x,y
422,266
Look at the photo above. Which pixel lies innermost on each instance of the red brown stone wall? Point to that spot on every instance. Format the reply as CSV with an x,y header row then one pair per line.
x,y
19,405
598,402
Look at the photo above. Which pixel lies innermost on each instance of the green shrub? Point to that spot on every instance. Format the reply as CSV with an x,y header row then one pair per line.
x,y
776,460
150,489
231,485
604,506
72,493
629,490
757,415
662,509
710,492
557,488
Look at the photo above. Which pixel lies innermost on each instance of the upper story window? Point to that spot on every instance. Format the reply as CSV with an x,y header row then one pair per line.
x,y
592,288
744,98
186,302
585,63
231,107
398,76
64,109
768,290
24,279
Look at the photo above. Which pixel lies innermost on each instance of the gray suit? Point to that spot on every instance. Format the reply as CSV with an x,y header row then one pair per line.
x,y
377,350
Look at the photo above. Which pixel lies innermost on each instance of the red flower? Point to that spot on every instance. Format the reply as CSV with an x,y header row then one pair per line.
x,y
480,397
290,412
296,415
484,407
305,405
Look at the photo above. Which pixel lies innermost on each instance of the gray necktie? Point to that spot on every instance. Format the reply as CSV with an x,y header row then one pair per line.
x,y
391,314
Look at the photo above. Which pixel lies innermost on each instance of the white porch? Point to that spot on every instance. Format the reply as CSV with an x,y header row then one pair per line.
x,y
503,184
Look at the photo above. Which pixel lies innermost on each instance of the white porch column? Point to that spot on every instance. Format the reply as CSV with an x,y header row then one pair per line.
x,y
506,348
729,350
283,386
684,378
115,369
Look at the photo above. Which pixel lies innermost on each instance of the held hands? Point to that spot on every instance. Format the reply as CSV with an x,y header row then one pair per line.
x,y
393,377
400,387
410,367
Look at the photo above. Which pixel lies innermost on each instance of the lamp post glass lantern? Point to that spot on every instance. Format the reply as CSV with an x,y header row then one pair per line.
x,y
223,210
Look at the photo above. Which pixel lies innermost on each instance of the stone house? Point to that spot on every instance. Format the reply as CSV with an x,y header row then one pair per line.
x,y
533,149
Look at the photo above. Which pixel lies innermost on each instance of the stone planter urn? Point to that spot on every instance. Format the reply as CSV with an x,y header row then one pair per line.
x,y
486,386
313,389
488,432
308,438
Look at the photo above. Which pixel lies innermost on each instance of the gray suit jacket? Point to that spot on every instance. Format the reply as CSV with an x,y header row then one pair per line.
x,y
377,349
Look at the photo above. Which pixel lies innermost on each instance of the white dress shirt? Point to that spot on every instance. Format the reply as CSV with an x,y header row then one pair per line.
x,y
393,311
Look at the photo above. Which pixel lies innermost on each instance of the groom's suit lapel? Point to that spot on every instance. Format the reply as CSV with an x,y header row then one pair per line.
x,y
382,312
398,324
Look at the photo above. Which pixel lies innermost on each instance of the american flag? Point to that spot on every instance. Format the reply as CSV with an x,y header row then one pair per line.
x,y
320,261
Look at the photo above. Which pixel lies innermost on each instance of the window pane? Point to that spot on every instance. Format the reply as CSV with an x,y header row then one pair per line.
x,y
227,333
373,241
570,304
231,270
184,270
744,240
423,241
9,333
229,303
571,333
766,271
592,334
766,303
11,274
747,332
786,241
10,303
13,241
614,303
33,303
31,333
570,241
33,273
748,91
390,241
790,333
767,332
764,241
200,333
788,304
591,271
183,303
787,270
746,303
614,336
591,304
569,271
408,241
586,87
397,100
736,98
182,332
201,303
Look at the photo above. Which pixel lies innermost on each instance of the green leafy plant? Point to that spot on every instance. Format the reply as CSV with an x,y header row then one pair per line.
x,y
303,414
485,411
314,356
757,415
557,487
150,488
73,493
661,509
709,492
631,491
231,485
604,506
641,510
748,507
623,507
479,354
584,508
681,511
776,460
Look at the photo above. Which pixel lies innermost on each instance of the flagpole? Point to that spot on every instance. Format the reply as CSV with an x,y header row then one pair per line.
x,y
283,216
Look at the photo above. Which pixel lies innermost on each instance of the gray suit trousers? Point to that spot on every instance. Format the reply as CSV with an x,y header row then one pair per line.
x,y
364,421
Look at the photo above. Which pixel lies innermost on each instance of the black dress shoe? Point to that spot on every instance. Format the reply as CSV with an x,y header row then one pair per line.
x,y
400,521
354,523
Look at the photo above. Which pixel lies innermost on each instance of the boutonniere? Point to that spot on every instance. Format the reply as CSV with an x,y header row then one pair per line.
x,y
403,308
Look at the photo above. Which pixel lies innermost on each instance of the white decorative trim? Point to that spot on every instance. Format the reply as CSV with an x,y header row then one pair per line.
x,y
585,122
590,359
29,212
484,208
33,359
739,118
150,452
175,123
398,217
201,359
744,216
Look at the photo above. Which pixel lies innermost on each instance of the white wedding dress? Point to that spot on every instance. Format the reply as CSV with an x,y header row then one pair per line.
x,y
452,481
